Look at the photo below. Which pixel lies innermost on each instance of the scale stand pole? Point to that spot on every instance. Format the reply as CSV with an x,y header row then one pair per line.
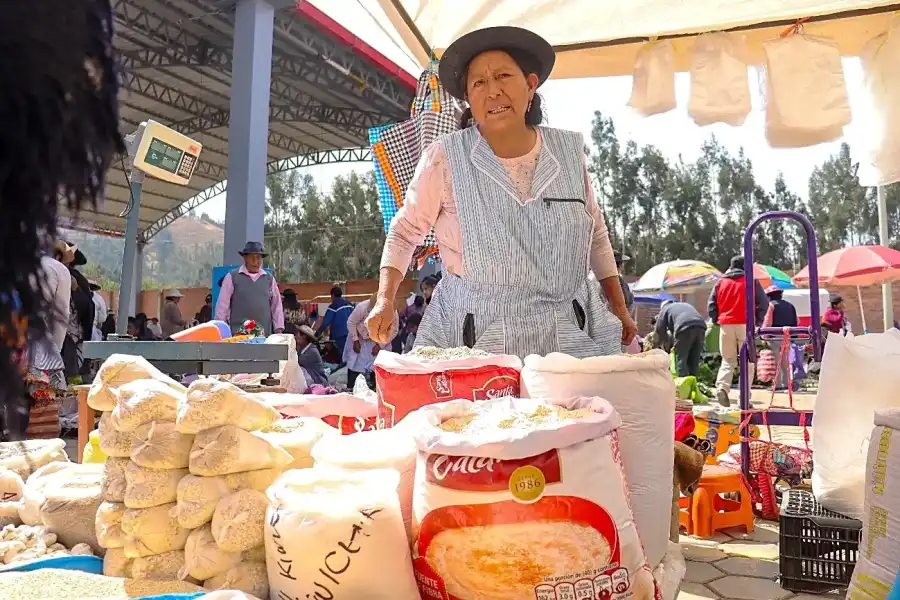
x,y
127,285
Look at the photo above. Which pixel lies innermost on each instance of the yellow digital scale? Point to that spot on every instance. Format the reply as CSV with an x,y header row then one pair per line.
x,y
164,153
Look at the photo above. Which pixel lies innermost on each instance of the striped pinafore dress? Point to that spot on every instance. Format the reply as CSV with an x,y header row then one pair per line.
x,y
525,288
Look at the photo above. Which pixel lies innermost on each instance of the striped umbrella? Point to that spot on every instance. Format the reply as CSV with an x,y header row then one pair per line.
x,y
677,275
768,276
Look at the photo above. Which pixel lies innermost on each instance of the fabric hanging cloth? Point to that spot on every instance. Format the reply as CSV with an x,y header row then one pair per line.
x,y
396,149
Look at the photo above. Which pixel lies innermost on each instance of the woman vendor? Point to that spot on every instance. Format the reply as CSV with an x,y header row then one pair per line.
x,y
515,218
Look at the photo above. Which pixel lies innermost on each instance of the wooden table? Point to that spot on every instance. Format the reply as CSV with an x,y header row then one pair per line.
x,y
86,417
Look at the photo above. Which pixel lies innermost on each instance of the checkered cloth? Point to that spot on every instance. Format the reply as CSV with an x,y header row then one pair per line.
x,y
396,149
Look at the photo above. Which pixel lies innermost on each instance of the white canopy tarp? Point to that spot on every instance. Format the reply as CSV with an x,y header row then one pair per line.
x,y
601,37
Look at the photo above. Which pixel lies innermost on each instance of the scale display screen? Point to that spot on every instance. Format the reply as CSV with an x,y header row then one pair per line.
x,y
163,155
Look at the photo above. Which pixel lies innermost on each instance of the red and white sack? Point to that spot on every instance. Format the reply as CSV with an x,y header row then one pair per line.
x,y
405,383
522,499
347,413
720,91
640,388
653,84
766,369
806,95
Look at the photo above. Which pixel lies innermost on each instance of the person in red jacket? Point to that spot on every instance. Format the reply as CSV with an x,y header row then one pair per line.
x,y
728,310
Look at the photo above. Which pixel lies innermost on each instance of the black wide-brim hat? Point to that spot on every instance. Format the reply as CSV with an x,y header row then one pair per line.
x,y
455,60
254,248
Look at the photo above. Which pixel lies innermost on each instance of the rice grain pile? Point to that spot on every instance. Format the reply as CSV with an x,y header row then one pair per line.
x,y
61,584
436,354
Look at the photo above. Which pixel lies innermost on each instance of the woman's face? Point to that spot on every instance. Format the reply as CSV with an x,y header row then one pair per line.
x,y
498,91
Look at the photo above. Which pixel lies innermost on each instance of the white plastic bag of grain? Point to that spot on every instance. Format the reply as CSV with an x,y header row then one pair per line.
x,y
116,371
641,389
114,443
338,534
230,449
298,437
879,550
212,403
720,90
143,401
28,456
71,510
525,482
203,558
246,577
108,525
146,488
392,448
11,486
159,445
161,567
197,496
54,474
152,531
116,564
653,84
113,485
238,522
290,374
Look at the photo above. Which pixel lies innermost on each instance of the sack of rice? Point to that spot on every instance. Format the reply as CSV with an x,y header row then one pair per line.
x,y
160,567
337,534
245,577
28,456
429,375
298,437
238,522
641,389
54,474
11,486
112,487
146,488
348,413
392,448
230,449
534,488
152,531
116,371
159,445
203,558
212,403
116,564
70,510
143,401
108,525
113,443
198,496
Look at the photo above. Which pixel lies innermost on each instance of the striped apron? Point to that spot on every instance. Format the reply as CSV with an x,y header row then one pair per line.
x,y
526,287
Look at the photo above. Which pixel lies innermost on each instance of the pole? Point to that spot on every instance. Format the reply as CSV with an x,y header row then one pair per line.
x,y
126,287
862,310
887,296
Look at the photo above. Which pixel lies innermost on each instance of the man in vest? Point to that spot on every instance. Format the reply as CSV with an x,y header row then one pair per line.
x,y
728,310
251,293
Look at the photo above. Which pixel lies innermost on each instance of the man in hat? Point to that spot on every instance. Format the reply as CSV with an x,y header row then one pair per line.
x,y
205,314
100,309
172,321
251,293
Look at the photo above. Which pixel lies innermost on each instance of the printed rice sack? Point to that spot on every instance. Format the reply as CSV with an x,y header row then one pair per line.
x,y
642,391
348,413
212,403
517,499
879,550
429,375
337,534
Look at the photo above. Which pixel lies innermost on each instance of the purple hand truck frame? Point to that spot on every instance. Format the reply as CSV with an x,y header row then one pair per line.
x,y
748,349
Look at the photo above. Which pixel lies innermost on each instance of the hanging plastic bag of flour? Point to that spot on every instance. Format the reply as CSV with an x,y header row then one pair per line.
x,y
653,84
116,371
806,95
720,90
230,449
143,401
339,517
212,403
875,132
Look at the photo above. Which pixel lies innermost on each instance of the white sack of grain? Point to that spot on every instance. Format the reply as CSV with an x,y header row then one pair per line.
x,y
230,449
114,483
28,456
114,443
159,445
56,473
70,509
198,496
118,370
238,522
298,437
152,531
245,577
146,488
212,403
108,525
143,401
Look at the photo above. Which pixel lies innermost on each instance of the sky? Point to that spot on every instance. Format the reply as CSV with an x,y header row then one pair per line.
x,y
570,104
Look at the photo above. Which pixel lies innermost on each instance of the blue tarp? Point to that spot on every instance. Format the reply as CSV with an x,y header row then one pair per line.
x,y
654,299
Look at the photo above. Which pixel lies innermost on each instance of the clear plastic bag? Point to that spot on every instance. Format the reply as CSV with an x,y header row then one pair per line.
x,y
720,90
653,85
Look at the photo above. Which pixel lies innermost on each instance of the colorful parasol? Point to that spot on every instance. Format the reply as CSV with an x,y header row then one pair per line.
x,y
768,276
677,274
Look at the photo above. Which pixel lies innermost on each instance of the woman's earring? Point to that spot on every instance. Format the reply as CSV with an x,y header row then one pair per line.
x,y
528,108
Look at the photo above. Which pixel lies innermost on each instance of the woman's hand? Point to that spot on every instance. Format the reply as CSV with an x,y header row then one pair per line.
x,y
629,328
381,321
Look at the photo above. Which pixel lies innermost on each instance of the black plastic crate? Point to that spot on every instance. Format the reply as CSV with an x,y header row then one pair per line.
x,y
819,547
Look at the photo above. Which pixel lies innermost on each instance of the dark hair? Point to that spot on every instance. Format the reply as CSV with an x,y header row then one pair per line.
x,y
737,262
835,300
535,114
414,319
776,294
337,292
419,301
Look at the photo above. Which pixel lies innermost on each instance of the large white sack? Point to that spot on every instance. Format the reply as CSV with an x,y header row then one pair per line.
x,y
879,550
859,376
641,389
720,90
116,371
519,498
290,374
653,84
345,521
210,403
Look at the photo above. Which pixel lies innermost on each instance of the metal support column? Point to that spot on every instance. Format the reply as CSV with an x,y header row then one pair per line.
x,y
248,130
138,278
887,295
126,287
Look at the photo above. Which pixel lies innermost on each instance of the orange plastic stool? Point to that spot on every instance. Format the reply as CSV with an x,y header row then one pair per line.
x,y
684,514
711,512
